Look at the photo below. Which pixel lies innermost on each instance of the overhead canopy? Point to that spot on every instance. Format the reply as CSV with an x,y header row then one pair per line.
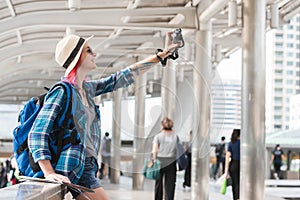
x,y
124,30
287,139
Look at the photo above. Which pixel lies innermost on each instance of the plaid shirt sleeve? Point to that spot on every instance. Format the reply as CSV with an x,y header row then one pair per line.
x,y
40,132
113,82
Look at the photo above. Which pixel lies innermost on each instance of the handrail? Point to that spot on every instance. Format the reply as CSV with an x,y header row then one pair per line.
x,y
34,191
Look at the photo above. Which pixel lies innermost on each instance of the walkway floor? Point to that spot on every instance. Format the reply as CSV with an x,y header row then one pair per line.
x,y
123,191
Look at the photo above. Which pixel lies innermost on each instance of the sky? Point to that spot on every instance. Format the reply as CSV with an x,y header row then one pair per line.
x,y
231,68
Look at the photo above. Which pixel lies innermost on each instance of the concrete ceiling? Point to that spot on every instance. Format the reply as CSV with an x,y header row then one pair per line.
x,y
124,31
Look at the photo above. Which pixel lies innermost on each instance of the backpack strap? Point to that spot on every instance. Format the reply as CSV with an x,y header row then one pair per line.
x,y
63,121
23,147
72,139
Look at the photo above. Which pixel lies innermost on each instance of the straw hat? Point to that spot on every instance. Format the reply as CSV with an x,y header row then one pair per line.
x,y
68,51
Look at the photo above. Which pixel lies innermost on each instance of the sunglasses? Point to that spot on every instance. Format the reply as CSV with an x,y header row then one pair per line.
x,y
90,51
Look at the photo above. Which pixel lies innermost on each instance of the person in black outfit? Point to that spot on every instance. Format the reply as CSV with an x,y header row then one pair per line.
x,y
187,173
220,154
233,166
276,159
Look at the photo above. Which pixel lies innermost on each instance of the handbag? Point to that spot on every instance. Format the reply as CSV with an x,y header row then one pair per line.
x,y
182,159
224,186
151,169
226,182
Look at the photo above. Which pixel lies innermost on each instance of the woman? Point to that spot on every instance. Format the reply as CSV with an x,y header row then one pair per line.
x,y
78,163
164,149
232,163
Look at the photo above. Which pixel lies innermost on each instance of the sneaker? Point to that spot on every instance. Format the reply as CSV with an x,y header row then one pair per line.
x,y
276,176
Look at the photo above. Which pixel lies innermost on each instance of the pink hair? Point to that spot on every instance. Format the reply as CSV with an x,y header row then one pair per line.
x,y
71,77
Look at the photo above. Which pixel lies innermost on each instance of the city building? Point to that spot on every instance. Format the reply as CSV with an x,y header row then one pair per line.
x,y
294,122
282,81
226,108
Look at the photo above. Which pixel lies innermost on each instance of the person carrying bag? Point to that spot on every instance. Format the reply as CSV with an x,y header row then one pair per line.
x,y
164,150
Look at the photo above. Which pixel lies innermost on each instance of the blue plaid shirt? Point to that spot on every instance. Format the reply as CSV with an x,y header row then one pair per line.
x,y
71,161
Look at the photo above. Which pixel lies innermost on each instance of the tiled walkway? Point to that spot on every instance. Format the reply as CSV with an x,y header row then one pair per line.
x,y
123,191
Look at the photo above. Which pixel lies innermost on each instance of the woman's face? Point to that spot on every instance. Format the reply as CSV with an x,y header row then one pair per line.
x,y
88,58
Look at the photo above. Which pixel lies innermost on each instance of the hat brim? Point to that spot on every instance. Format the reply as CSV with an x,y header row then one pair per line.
x,y
74,62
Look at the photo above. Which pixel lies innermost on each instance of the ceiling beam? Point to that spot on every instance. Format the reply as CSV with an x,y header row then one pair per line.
x,y
27,77
214,8
86,18
10,8
230,41
30,68
291,14
47,46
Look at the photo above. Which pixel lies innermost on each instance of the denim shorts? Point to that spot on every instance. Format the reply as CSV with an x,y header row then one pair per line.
x,y
89,177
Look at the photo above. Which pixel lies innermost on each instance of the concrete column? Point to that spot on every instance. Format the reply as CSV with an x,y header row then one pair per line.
x,y
202,106
139,133
116,137
168,89
268,165
253,101
156,72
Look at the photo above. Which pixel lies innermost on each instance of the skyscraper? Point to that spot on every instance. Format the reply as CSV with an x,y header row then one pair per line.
x,y
282,81
226,108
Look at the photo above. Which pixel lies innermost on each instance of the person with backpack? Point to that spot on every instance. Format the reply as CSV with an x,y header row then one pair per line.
x,y
105,154
220,156
77,160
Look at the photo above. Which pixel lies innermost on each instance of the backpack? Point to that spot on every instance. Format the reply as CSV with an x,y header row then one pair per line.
x,y
182,158
219,150
107,145
26,119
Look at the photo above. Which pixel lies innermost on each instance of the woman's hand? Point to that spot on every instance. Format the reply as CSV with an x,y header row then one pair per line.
x,y
170,46
141,67
57,177
226,174
50,174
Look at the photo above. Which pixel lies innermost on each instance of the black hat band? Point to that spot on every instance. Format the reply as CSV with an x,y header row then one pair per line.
x,y
73,53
